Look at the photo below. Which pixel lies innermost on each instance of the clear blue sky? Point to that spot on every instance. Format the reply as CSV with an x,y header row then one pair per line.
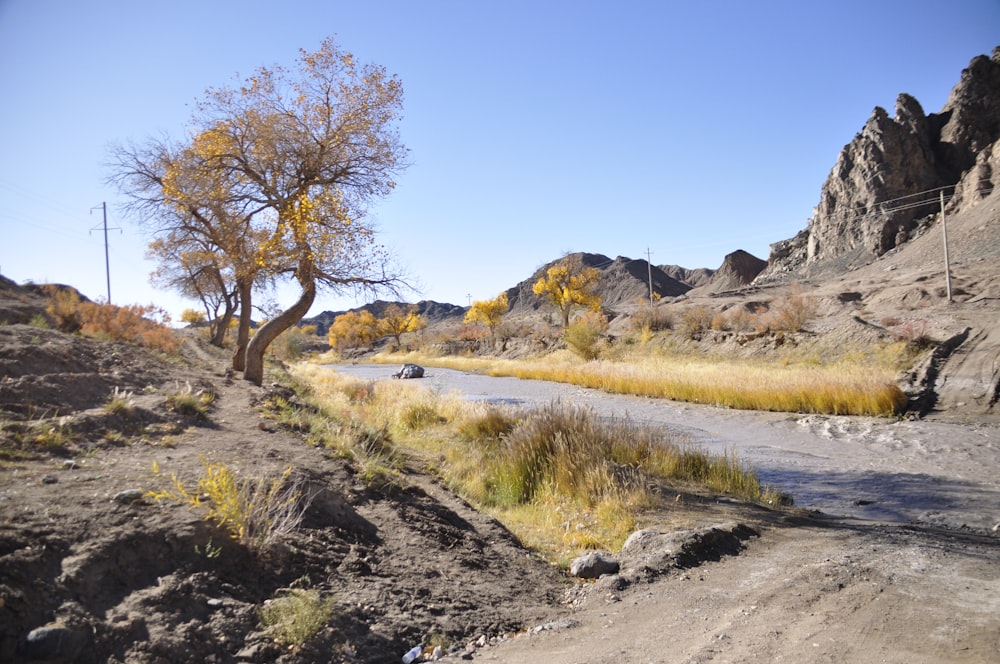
x,y
535,127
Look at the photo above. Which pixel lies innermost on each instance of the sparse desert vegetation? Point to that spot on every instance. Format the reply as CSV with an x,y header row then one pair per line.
x,y
293,498
255,509
138,324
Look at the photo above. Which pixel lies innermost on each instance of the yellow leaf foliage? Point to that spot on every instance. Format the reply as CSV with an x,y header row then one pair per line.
x,y
488,312
353,330
567,284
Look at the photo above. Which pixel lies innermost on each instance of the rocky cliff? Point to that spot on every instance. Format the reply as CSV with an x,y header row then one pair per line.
x,y
888,180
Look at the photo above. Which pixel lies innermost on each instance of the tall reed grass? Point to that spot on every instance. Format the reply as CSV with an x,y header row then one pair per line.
x,y
559,476
844,387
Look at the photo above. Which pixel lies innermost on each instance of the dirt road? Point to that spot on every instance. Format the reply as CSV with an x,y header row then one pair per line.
x,y
846,593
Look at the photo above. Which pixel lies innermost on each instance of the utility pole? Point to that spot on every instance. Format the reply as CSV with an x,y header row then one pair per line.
x,y
649,266
947,263
107,260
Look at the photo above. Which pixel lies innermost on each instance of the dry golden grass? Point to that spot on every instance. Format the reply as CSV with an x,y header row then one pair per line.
x,y
296,615
256,510
559,477
847,386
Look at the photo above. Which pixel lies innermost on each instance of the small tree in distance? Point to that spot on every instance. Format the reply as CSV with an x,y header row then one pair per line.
x,y
193,317
568,284
398,321
488,312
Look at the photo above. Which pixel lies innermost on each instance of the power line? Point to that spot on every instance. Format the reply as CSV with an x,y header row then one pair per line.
x,y
39,199
901,203
24,221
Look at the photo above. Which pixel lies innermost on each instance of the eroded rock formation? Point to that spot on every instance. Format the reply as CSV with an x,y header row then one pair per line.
x,y
889,176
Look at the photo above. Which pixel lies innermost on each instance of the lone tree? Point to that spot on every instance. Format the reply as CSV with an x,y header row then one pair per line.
x,y
397,321
567,284
488,312
199,224
297,157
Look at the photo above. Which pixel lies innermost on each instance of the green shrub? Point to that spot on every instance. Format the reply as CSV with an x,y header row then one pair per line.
x,y
120,402
189,403
584,333
296,616
492,424
420,415
39,321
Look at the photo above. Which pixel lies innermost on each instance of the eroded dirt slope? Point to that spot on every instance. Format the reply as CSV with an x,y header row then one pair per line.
x,y
137,580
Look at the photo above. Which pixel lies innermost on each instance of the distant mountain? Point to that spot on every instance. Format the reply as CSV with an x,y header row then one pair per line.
x,y
693,278
738,269
623,281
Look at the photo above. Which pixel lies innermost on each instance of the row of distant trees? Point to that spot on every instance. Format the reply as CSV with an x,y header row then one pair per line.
x,y
356,329
566,285
272,185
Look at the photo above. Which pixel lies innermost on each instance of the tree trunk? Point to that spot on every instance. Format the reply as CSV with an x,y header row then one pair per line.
x,y
222,324
221,327
254,370
243,333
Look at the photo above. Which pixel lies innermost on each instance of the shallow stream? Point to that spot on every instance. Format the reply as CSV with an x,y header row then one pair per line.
x,y
868,468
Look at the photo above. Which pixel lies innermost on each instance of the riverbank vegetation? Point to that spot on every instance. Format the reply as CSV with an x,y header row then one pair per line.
x,y
560,477
853,385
